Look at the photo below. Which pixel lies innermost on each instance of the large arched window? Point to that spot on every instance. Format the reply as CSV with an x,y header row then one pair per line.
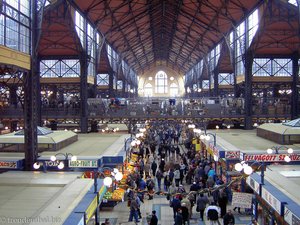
x,y
161,82
173,90
148,90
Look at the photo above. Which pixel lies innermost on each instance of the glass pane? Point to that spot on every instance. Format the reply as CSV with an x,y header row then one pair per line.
x,y
12,29
1,29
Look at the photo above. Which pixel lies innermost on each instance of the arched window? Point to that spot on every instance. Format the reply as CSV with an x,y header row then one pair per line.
x,y
173,90
148,90
161,82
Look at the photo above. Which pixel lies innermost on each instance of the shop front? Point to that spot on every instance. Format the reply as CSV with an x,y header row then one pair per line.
x,y
269,203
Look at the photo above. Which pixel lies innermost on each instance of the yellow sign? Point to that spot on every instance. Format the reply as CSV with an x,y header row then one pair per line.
x,y
91,209
210,151
198,147
102,192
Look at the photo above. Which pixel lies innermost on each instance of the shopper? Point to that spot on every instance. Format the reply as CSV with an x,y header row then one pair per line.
x,y
178,218
134,210
228,218
154,220
213,213
202,201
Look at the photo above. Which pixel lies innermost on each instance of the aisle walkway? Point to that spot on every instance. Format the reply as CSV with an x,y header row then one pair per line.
x,y
120,213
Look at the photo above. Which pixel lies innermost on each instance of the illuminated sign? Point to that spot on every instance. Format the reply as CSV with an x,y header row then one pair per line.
x,y
84,163
8,164
91,210
271,157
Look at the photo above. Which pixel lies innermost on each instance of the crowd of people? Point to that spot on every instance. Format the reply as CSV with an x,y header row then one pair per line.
x,y
168,164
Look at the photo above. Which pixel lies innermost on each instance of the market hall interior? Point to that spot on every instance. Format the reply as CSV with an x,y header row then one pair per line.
x,y
88,87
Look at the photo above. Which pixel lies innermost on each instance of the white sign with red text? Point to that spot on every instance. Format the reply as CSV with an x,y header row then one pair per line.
x,y
271,157
8,164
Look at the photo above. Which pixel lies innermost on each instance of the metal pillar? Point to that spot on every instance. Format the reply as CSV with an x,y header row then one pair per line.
x,y
294,86
216,82
31,81
124,83
111,85
248,90
83,84
13,97
38,97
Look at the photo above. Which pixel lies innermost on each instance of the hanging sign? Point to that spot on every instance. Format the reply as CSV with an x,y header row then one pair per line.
x,y
271,157
84,163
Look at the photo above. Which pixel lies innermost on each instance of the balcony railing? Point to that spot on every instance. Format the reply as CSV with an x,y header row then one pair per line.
x,y
160,107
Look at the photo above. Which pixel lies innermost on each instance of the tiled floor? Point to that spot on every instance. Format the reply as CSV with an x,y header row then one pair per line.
x,y
120,213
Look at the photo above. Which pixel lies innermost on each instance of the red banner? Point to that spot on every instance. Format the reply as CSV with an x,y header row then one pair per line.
x,y
271,157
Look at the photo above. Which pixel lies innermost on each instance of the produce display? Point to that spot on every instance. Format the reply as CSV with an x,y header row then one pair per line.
x,y
116,195
108,195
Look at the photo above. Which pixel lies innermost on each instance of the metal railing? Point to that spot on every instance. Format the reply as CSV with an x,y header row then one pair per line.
x,y
206,107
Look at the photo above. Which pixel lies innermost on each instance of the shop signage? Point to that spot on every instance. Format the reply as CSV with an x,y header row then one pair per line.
x,y
271,157
84,163
9,164
213,150
253,184
243,200
242,154
290,217
81,222
51,163
91,210
271,200
102,192
232,154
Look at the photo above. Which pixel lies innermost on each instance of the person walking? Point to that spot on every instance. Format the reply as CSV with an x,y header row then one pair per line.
x,y
222,201
159,176
202,201
213,213
185,214
178,217
154,219
175,204
228,218
133,210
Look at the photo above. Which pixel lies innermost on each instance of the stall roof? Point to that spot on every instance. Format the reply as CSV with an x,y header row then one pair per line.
x,y
50,138
53,195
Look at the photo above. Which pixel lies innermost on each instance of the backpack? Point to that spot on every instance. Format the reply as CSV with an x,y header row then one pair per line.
x,y
212,214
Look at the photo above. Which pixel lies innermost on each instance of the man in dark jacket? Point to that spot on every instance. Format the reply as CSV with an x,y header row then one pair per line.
x,y
175,204
154,220
178,218
228,218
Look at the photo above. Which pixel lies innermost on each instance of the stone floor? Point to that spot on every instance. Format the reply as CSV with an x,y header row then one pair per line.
x,y
120,213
